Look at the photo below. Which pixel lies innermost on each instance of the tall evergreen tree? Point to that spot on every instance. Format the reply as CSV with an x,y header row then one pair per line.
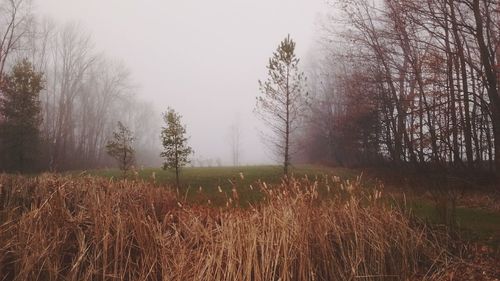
x,y
282,99
20,110
176,150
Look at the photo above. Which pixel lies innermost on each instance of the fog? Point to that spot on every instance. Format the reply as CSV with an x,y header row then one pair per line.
x,y
203,58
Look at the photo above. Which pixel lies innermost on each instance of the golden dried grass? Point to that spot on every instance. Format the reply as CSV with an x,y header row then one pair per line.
x,y
61,228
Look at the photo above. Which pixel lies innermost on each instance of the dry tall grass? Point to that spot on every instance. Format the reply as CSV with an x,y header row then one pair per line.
x,y
58,228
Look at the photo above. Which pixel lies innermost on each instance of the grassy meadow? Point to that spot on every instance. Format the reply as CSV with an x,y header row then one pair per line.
x,y
192,177
200,184
244,223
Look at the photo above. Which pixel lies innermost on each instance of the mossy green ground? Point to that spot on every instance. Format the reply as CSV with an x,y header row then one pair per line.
x,y
479,224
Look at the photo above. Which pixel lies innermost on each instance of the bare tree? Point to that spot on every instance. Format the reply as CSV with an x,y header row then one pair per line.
x,y
15,17
86,93
425,73
73,56
235,140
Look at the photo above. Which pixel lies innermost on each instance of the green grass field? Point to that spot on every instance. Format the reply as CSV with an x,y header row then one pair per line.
x,y
475,224
211,177
199,185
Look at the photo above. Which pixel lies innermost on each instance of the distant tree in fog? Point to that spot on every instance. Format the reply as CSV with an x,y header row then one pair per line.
x,y
120,148
282,98
235,139
20,108
86,93
15,17
176,150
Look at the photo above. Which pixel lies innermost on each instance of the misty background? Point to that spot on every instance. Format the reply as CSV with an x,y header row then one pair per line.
x,y
202,58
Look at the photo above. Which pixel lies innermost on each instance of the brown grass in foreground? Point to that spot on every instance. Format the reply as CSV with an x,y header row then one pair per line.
x,y
58,228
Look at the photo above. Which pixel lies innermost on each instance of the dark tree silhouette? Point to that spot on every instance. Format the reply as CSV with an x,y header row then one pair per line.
x,y
20,108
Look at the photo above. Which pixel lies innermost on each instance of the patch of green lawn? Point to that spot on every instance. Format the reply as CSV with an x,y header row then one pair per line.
x,y
212,177
244,178
476,224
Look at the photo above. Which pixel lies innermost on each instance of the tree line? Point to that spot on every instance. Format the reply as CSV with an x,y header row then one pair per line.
x,y
407,82
83,94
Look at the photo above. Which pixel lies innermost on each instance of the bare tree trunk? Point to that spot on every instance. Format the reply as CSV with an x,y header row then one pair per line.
x,y
488,61
177,176
287,128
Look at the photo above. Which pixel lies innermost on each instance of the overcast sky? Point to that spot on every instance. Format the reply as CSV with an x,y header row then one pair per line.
x,y
201,57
